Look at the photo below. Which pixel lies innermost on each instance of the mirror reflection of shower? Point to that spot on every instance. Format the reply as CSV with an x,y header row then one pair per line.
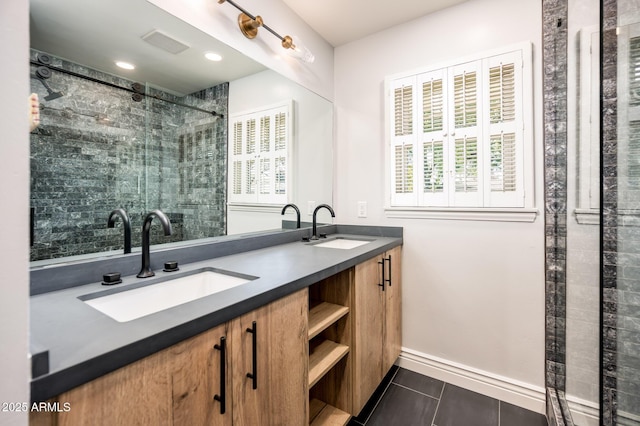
x,y
114,143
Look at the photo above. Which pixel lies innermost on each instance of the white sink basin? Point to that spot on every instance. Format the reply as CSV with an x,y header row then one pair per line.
x,y
342,243
128,305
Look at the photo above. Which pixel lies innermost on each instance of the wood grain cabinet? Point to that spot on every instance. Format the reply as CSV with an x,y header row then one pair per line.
x,y
262,357
269,357
313,357
223,376
355,336
377,316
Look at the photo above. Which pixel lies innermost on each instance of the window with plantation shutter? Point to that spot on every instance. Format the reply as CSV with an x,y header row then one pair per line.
x,y
457,134
629,118
259,157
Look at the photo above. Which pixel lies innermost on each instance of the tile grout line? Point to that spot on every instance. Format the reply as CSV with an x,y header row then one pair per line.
x,y
435,413
413,390
381,396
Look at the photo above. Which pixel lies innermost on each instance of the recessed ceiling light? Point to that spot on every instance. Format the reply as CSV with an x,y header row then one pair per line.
x,y
213,56
125,65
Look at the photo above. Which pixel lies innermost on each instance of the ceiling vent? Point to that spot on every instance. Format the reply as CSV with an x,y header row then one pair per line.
x,y
165,42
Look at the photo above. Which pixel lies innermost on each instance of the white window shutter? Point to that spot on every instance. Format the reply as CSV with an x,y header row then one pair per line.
x,y
465,155
432,174
504,131
403,142
259,166
457,135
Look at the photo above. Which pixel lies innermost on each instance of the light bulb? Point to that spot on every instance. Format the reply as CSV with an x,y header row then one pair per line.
x,y
296,48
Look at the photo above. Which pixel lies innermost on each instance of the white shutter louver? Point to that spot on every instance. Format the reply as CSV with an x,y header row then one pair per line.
x,y
502,93
281,175
251,136
237,177
433,162
265,134
265,175
281,131
465,99
237,138
251,177
403,110
466,166
432,106
404,169
503,162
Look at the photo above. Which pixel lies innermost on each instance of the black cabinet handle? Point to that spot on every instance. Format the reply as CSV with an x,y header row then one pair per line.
x,y
388,260
222,347
382,280
254,339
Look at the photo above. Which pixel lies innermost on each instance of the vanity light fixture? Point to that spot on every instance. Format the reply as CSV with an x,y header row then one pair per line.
x,y
249,25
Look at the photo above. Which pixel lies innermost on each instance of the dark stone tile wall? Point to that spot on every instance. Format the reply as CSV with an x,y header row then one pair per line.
x,y
555,196
621,231
555,41
96,150
609,141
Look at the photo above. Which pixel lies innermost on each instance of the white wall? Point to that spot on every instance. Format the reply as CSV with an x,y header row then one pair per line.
x,y
14,213
473,302
220,21
312,144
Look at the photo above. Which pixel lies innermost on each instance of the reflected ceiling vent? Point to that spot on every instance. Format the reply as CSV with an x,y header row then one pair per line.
x,y
165,42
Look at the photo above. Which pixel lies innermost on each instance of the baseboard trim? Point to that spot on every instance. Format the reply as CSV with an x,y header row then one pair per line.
x,y
583,412
508,390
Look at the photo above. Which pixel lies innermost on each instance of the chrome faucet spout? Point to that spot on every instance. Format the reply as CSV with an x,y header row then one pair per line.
x,y
314,234
293,206
126,223
146,271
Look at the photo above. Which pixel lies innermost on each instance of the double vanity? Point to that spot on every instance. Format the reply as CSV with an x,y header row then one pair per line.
x,y
265,329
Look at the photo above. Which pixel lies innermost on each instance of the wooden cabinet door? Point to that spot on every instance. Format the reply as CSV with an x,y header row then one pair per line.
x,y
281,350
138,394
392,339
196,378
368,312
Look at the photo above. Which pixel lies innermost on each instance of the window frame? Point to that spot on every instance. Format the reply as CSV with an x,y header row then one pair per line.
x,y
413,205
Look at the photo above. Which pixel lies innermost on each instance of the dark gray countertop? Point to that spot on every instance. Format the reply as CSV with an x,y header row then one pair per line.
x,y
84,344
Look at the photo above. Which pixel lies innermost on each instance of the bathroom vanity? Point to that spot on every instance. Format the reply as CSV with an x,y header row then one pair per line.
x,y
305,341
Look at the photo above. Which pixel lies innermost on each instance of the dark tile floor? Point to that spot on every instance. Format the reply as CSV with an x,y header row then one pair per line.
x,y
406,398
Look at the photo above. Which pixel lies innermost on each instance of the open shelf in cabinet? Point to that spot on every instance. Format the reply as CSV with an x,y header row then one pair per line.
x,y
323,358
323,316
321,413
330,341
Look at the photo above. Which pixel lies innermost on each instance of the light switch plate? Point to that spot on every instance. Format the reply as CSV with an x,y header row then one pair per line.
x,y
362,209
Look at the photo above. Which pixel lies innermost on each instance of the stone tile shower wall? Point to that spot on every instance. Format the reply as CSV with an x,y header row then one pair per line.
x,y
555,199
609,214
97,150
621,221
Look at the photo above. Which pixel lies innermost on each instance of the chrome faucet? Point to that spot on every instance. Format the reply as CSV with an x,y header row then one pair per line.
x,y
127,226
146,271
314,235
297,212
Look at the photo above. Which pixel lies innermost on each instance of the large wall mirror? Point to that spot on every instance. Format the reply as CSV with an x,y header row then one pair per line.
x,y
159,136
